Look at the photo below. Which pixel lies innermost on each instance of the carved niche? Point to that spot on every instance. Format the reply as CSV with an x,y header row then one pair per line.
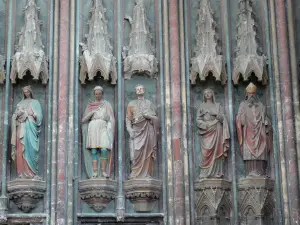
x,y
207,58
139,55
247,59
2,71
30,55
97,52
256,201
213,201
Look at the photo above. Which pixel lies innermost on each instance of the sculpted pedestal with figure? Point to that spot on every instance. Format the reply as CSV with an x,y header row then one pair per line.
x,y
142,125
28,188
255,135
98,125
212,191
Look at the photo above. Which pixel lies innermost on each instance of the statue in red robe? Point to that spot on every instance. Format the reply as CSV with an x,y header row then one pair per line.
x,y
214,136
254,133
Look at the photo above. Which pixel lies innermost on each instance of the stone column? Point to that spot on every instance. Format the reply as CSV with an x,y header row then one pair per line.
x,y
285,75
175,78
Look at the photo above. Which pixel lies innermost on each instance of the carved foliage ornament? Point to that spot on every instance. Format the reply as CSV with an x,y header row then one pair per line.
x,y
26,193
29,54
2,71
207,58
140,52
97,52
247,59
98,193
143,193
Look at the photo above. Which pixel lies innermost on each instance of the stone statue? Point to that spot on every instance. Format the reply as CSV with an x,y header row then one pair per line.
x,y
142,126
98,134
26,127
214,136
254,133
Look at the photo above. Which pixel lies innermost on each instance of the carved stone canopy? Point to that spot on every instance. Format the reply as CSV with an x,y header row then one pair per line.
x,y
2,71
207,58
143,193
26,193
97,52
98,193
30,55
139,55
247,59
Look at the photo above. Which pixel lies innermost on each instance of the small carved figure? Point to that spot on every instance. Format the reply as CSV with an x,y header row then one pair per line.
x,y
26,127
214,136
99,134
254,133
142,126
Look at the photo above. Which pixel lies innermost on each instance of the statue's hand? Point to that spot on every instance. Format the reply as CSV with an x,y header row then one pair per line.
x,y
146,116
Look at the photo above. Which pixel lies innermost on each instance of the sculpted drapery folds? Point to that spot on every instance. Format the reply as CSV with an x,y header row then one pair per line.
x,y
26,127
214,136
254,133
142,125
98,135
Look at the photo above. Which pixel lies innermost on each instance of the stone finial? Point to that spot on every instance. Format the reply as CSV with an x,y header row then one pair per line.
x,y
207,58
2,71
247,59
97,52
139,55
30,55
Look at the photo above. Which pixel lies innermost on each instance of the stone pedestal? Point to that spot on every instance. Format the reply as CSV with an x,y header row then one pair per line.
x,y
213,201
143,193
26,193
256,201
98,193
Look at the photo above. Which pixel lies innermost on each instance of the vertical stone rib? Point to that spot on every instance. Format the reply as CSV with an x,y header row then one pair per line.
x,y
62,137
288,115
176,111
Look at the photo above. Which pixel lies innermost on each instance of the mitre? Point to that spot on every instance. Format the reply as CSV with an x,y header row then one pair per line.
x,y
251,88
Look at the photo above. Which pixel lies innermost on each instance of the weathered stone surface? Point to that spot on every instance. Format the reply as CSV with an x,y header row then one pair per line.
x,y
207,57
30,55
97,53
98,193
247,59
2,71
26,193
213,201
143,193
256,201
139,55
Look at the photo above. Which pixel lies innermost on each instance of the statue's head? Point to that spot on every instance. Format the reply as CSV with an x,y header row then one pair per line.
x,y
27,92
98,92
139,90
251,93
208,94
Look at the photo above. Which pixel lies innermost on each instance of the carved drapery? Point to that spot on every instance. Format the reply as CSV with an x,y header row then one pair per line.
x,y
30,55
2,71
97,52
247,59
139,55
207,57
